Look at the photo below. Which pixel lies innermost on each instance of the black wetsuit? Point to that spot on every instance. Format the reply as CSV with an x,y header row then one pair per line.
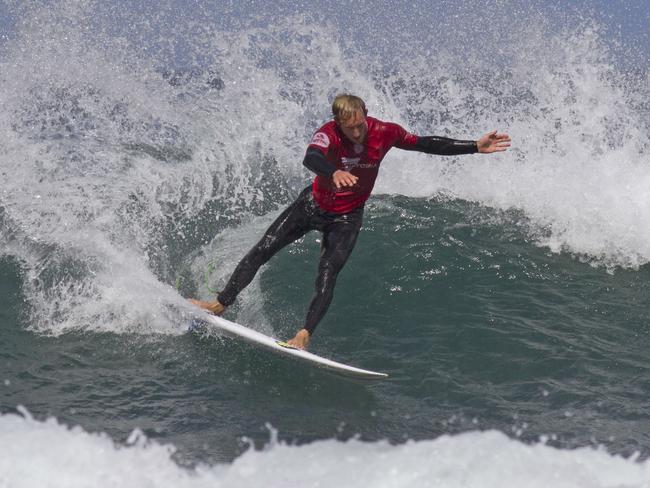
x,y
340,233
340,230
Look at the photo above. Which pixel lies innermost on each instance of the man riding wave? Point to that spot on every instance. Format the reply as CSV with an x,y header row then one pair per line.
x,y
345,154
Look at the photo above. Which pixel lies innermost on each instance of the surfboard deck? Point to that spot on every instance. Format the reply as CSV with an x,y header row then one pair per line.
x,y
258,339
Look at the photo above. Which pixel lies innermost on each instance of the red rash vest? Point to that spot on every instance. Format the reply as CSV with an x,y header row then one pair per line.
x,y
362,160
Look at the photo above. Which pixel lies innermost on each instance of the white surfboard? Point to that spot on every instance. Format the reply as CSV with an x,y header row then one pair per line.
x,y
251,336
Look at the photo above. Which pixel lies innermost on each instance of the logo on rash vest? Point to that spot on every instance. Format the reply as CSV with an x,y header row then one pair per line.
x,y
320,139
358,148
350,163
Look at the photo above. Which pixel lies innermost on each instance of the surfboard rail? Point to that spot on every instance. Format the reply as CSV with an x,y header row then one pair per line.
x,y
256,338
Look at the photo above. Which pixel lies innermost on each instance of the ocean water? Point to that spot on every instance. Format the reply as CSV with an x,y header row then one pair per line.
x,y
145,149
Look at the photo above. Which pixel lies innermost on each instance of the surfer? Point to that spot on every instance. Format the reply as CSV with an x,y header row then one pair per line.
x,y
345,155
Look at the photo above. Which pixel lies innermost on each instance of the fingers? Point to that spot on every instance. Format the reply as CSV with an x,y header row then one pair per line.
x,y
494,142
348,179
503,143
498,147
493,135
343,178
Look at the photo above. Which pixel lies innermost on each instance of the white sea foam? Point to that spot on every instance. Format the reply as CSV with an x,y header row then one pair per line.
x,y
114,179
50,454
579,166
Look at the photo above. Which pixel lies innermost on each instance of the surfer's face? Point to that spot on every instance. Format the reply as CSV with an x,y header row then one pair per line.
x,y
355,127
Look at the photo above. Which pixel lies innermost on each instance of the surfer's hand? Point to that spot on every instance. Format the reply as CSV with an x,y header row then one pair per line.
x,y
301,340
215,307
343,178
493,142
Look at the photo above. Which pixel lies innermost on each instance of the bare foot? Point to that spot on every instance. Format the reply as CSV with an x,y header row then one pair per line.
x,y
215,308
301,340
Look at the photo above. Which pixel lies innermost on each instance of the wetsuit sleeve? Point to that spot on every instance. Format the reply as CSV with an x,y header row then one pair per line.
x,y
443,146
319,147
429,144
316,161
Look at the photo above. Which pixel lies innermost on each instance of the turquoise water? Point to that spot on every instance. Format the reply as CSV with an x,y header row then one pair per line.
x,y
506,296
478,329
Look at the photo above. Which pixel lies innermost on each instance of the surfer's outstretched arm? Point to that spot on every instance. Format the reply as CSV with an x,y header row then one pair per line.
x,y
488,143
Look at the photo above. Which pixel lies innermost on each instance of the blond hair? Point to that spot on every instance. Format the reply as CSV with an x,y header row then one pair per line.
x,y
345,106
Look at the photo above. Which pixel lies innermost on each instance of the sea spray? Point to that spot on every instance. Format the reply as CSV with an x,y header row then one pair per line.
x,y
71,457
128,152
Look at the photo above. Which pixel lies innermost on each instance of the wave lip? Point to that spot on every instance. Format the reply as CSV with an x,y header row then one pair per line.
x,y
48,453
134,136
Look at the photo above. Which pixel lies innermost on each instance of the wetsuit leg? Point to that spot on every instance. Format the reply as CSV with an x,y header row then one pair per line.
x,y
339,239
292,224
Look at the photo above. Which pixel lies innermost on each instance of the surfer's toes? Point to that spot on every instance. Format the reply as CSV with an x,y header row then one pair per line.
x,y
301,340
215,307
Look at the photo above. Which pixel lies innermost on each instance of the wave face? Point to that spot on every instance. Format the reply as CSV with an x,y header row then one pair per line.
x,y
71,457
143,150
118,165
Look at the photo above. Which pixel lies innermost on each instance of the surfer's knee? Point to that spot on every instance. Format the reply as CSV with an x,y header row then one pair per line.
x,y
255,258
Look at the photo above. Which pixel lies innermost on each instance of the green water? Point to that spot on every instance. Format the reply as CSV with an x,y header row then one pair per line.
x,y
478,328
